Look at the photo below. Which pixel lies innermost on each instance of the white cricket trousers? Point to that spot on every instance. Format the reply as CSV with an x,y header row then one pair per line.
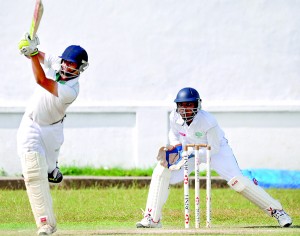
x,y
224,163
46,140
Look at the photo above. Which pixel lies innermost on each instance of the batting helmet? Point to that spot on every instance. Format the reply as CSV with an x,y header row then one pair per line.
x,y
187,95
77,54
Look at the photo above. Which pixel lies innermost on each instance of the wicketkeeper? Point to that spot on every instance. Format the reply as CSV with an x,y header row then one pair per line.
x,y
40,134
189,124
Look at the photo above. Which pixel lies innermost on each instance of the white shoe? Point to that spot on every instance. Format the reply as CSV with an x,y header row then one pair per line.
x,y
46,230
284,220
148,222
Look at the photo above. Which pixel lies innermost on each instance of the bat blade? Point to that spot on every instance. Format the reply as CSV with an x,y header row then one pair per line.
x,y
37,16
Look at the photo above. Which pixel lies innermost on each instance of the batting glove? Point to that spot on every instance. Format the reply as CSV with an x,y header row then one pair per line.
x,y
28,46
55,176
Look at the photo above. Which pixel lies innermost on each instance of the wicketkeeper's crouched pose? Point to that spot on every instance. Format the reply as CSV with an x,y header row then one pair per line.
x,y
40,134
191,125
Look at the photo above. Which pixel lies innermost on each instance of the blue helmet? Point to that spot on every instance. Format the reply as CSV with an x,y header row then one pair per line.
x,y
77,54
187,95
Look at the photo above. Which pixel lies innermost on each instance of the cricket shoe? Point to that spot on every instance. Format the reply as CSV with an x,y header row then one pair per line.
x,y
284,220
148,222
46,230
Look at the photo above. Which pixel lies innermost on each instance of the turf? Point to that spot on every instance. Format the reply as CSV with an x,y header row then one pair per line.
x,y
119,209
101,171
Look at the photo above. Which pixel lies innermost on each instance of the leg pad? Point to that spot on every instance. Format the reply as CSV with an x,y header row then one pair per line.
x,y
34,168
158,192
255,194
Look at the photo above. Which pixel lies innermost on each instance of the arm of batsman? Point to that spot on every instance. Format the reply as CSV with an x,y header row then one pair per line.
x,y
28,46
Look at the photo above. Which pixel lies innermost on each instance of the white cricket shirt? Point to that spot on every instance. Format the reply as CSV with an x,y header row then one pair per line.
x,y
44,107
204,129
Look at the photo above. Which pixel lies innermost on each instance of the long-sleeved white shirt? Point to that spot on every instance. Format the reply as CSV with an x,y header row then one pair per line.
x,y
204,129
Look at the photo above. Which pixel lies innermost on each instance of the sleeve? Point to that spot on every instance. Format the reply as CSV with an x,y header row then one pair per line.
x,y
174,138
66,94
52,62
214,138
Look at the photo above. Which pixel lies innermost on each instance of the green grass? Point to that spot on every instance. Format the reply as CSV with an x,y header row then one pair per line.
x,y
114,208
119,208
92,171
101,171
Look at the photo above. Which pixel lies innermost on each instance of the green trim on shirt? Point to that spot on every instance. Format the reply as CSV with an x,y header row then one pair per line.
x,y
58,79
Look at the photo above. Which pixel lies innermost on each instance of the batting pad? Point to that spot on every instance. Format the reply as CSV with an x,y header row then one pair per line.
x,y
158,192
35,174
255,194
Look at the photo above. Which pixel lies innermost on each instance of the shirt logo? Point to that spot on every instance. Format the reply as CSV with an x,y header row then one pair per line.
x,y
199,134
182,134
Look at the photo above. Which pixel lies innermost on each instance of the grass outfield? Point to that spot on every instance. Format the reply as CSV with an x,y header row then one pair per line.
x,y
113,211
92,171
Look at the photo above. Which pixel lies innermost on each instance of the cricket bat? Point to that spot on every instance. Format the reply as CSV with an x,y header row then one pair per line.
x,y
37,16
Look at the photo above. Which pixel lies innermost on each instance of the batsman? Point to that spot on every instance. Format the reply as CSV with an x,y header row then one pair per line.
x,y
189,124
40,134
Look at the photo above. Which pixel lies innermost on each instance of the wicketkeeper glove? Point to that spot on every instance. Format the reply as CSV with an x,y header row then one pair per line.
x,y
179,161
28,46
171,157
162,155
